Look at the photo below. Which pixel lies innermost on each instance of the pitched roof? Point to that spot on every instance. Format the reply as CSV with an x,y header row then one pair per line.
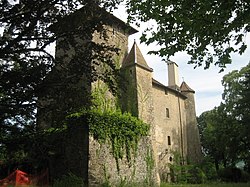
x,y
135,57
185,88
157,83
80,16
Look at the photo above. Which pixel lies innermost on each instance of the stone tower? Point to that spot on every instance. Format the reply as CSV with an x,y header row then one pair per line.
x,y
194,154
139,88
68,86
137,97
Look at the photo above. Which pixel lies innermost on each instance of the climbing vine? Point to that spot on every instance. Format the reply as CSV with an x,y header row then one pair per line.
x,y
121,130
150,166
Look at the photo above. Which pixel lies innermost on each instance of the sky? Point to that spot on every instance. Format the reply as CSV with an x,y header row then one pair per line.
x,y
206,83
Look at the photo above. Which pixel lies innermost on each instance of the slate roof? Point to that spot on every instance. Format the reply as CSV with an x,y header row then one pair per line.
x,y
135,57
185,88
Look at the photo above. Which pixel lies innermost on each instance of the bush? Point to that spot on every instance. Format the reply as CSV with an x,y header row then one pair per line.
x,y
245,177
196,175
209,170
69,180
233,174
187,174
192,173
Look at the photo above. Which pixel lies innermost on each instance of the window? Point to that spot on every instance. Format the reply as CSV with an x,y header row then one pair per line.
x,y
170,159
169,140
166,91
167,112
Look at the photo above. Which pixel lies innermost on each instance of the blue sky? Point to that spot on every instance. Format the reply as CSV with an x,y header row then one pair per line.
x,y
206,83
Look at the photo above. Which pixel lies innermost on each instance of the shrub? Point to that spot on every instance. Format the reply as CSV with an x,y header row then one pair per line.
x,y
233,174
209,170
69,180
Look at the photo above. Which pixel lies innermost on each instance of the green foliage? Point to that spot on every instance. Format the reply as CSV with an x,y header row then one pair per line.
x,y
187,173
194,26
102,98
178,171
233,174
219,134
68,180
192,173
224,130
208,168
150,163
26,64
121,130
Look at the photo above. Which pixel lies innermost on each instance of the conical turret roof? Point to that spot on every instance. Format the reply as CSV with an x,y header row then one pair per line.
x,y
135,57
185,88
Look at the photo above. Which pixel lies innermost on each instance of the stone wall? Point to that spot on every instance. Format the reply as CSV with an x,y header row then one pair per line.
x,y
194,154
103,168
146,107
114,37
170,122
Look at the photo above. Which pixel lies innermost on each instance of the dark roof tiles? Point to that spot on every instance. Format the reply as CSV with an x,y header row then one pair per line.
x,y
135,57
185,88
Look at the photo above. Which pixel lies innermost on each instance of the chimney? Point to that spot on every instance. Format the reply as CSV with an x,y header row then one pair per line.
x,y
173,75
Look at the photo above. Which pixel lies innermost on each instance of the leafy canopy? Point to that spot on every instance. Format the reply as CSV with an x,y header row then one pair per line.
x,y
225,129
219,136
25,62
209,30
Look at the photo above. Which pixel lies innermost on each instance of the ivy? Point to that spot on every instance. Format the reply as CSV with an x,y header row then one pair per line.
x,y
121,130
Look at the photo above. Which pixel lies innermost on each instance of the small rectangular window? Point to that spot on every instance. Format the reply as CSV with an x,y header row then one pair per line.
x,y
169,140
166,91
167,112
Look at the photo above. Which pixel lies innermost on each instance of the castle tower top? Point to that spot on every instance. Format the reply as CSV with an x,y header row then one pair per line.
x,y
88,12
135,57
185,88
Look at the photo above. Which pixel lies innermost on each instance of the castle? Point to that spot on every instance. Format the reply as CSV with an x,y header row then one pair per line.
x,y
169,109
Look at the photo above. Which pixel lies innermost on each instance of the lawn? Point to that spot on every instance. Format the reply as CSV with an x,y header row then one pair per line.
x,y
208,185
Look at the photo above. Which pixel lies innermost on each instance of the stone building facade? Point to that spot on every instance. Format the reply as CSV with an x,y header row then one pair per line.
x,y
169,109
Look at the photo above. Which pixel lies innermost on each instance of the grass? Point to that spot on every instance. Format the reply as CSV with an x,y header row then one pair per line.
x,y
208,185
188,185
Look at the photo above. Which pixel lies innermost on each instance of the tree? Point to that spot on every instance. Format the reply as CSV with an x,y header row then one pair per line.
x,y
225,129
237,101
24,57
219,137
25,61
208,30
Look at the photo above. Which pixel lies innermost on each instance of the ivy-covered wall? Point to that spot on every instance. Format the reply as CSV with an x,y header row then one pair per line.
x,y
118,147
